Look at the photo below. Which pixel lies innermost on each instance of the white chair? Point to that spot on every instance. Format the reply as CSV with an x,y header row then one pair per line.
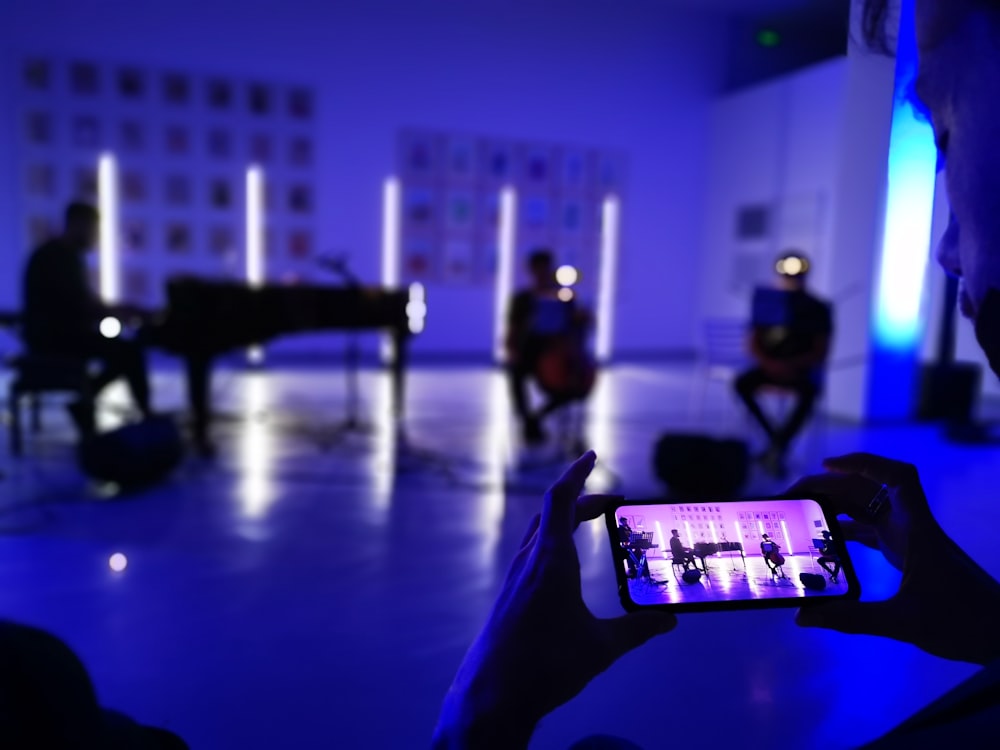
x,y
722,358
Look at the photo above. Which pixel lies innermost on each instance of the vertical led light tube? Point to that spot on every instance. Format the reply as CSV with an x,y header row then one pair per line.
x,y
109,271
390,247
608,280
255,259
506,238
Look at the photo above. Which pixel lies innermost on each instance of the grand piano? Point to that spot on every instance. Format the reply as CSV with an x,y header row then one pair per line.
x,y
206,318
703,550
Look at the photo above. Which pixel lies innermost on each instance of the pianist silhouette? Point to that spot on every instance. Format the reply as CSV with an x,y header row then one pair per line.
x,y
625,538
62,315
679,552
536,321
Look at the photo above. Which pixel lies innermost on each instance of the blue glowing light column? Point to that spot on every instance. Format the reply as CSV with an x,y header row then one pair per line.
x,y
897,325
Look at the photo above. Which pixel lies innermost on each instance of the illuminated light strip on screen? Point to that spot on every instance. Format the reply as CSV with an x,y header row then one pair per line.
x,y
715,538
610,225
107,200
739,536
390,248
909,206
506,238
663,542
255,260
788,540
687,529
760,526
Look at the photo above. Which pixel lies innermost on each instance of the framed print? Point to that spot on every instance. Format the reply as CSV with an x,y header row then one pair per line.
x,y
86,132
259,99
131,84
37,74
300,152
178,239
84,79
41,180
178,140
136,236
220,194
219,95
38,128
300,103
176,89
133,136
134,186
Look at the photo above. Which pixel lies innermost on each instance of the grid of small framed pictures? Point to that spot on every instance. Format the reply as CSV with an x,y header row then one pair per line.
x,y
451,195
182,143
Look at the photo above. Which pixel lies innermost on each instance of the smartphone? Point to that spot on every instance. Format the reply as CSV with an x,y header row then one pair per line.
x,y
743,554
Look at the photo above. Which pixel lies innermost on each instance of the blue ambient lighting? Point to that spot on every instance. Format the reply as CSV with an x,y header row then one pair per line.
x,y
909,207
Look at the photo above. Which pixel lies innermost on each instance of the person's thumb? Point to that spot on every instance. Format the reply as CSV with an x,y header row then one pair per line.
x,y
632,630
856,618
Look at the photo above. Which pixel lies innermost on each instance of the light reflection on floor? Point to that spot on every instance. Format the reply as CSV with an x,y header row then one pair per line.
x,y
360,588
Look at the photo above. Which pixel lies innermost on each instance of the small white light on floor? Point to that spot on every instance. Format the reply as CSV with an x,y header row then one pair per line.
x,y
565,294
111,328
118,562
567,276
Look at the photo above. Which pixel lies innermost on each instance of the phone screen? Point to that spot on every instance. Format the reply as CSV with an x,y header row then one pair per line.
x,y
728,555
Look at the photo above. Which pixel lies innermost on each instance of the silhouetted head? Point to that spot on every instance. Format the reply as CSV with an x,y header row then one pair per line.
x,y
826,535
623,521
793,269
80,225
766,538
541,267
675,532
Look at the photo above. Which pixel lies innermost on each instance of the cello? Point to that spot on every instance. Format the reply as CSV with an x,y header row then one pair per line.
x,y
566,371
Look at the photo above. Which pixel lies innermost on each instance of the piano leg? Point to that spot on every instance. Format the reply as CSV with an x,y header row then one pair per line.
x,y
199,377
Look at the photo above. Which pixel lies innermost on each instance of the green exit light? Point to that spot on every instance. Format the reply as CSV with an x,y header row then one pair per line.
x,y
768,38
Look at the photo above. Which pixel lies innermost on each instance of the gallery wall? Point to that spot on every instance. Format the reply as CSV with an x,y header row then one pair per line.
x,y
561,73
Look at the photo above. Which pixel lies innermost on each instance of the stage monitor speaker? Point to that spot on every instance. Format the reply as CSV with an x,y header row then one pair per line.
x,y
813,582
697,466
133,456
691,576
949,392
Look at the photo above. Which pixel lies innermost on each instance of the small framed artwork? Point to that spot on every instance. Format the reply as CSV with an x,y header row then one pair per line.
x,y
136,237
134,187
133,136
461,158
86,132
219,144
300,244
300,199
85,184
41,180
418,156
37,75
220,95
131,84
457,260
536,212
221,241
220,194
259,99
497,162
571,216
84,79
261,147
178,238
38,126
573,169
300,103
178,141
419,209
536,165
137,285
418,258
176,89
177,190
460,211
300,152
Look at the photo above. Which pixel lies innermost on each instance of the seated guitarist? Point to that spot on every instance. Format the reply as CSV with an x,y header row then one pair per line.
x,y
537,320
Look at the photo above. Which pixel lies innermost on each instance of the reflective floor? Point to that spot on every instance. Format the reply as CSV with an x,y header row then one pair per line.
x,y
316,588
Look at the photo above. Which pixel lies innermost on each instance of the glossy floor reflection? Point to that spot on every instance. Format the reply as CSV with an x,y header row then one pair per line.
x,y
316,587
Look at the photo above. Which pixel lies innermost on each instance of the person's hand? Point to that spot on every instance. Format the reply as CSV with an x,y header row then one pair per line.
x,y
541,645
946,604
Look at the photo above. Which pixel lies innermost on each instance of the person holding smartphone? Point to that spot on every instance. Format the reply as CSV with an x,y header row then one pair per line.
x,y
541,645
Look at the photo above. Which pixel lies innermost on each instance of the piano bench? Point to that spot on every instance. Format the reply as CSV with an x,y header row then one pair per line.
x,y
34,376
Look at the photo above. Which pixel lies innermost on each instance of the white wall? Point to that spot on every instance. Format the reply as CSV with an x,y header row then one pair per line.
x,y
775,144
580,72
